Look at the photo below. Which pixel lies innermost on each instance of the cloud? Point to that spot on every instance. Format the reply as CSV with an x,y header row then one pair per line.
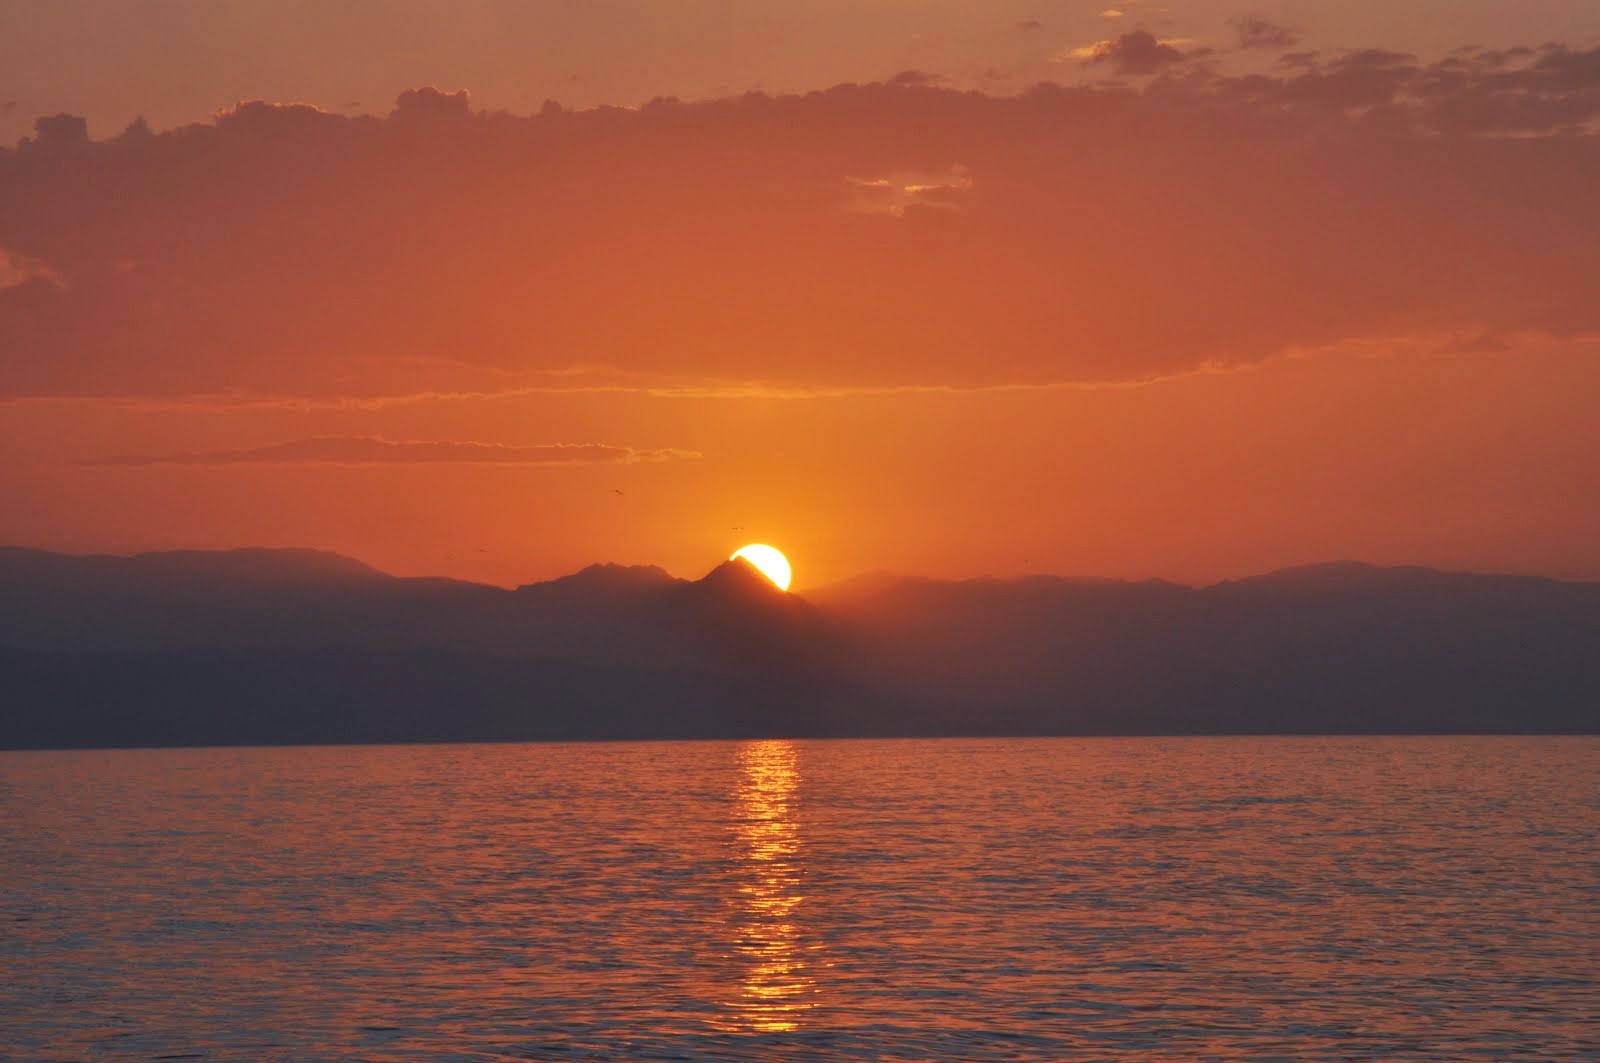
x,y
914,79
1306,59
57,133
897,193
1112,12
1552,90
17,270
1257,32
1518,91
431,103
1419,345
374,450
1136,53
1101,233
1028,25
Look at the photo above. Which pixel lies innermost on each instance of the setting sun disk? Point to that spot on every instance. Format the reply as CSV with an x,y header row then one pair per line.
x,y
768,560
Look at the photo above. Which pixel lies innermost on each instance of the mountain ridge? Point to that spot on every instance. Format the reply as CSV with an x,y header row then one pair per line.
x,y
330,560
1337,647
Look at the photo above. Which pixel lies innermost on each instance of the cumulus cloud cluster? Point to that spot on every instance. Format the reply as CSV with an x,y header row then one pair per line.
x,y
1100,233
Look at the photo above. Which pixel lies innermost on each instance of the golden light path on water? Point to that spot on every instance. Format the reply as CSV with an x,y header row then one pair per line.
x,y
776,989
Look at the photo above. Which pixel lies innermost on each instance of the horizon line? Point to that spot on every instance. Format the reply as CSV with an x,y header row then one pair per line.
x,y
885,574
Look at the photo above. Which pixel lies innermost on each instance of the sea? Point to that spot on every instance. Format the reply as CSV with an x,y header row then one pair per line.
x,y
1258,899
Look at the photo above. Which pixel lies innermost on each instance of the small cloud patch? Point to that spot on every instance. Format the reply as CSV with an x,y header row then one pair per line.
x,y
18,269
1136,53
894,194
1257,32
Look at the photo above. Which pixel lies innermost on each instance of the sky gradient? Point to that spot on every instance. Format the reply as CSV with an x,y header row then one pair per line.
x,y
1190,293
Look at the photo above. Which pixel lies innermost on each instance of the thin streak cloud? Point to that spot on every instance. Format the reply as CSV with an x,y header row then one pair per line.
x,y
376,450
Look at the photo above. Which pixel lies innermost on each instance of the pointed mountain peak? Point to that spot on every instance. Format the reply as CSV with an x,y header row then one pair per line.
x,y
738,577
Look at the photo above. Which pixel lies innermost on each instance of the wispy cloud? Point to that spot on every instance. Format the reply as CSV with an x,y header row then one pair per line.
x,y
376,450
894,194
1417,343
1257,32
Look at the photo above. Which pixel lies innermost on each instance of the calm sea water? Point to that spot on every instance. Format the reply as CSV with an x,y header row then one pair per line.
x,y
1229,899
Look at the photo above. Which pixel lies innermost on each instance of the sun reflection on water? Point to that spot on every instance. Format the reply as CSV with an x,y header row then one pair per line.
x,y
775,988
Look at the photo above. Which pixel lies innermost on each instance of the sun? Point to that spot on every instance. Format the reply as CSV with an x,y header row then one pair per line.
x,y
769,560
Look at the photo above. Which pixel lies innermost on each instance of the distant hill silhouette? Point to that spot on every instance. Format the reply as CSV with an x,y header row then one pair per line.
x,y
266,646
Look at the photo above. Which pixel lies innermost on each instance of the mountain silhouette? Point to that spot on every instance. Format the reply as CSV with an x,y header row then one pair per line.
x,y
603,580
300,645
753,626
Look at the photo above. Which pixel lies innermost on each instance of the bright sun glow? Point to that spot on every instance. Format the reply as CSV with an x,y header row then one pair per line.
x,y
769,560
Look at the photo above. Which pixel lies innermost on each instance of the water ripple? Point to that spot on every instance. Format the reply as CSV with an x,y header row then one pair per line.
x,y
1227,899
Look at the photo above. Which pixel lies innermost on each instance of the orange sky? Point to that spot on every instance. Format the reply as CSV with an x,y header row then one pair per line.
x,y
1203,311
